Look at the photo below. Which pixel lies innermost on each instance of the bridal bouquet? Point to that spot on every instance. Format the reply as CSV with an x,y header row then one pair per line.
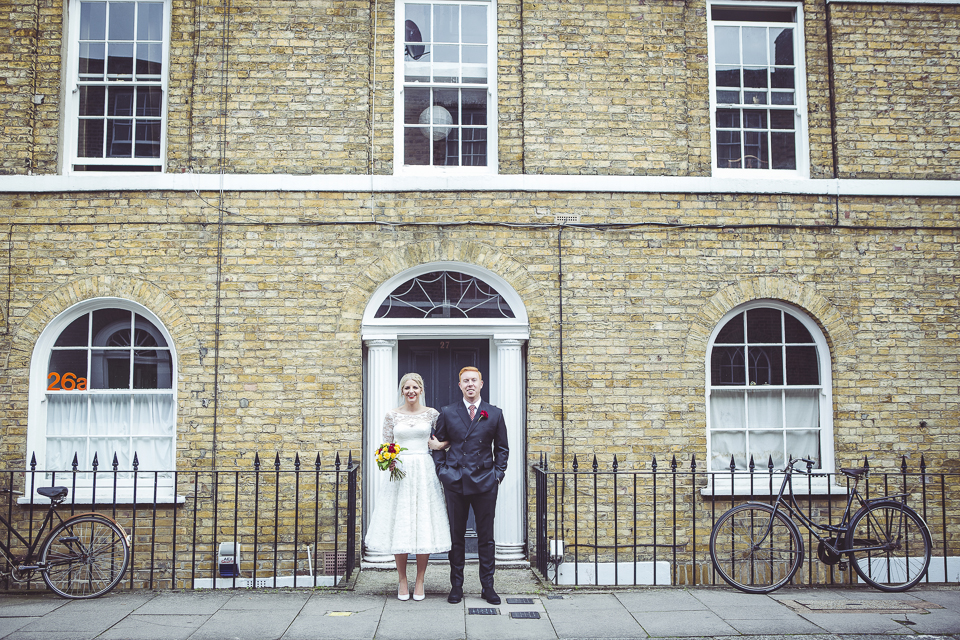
x,y
388,453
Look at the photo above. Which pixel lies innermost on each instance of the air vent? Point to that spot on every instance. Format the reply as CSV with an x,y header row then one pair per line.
x,y
566,218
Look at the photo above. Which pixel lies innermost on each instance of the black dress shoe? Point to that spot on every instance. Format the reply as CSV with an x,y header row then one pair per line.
x,y
490,596
456,595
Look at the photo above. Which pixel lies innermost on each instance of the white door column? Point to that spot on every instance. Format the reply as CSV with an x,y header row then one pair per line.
x,y
508,528
382,396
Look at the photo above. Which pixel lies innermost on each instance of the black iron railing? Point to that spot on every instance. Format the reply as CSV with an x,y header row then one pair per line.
x,y
614,526
293,525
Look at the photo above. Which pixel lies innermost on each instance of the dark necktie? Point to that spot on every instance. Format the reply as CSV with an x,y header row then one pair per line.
x,y
473,412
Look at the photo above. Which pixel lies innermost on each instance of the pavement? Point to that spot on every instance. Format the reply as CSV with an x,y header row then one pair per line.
x,y
369,609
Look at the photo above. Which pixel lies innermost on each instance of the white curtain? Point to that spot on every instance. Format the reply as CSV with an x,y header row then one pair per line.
x,y
121,424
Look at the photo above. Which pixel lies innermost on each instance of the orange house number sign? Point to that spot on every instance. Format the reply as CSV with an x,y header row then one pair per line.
x,y
67,382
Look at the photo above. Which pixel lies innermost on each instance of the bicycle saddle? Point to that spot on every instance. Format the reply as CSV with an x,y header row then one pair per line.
x,y
54,493
854,473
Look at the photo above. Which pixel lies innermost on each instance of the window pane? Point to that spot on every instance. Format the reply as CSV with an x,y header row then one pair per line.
x,y
782,46
803,408
110,369
727,42
414,102
782,98
766,446
755,119
120,59
446,25
728,118
474,24
732,332
119,138
153,415
727,444
107,448
765,365
416,146
61,450
92,59
93,16
727,366
803,366
90,139
794,331
804,444
149,59
782,78
781,119
110,414
784,151
755,154
149,102
728,149
148,139
66,414
64,362
121,20
728,76
111,327
152,369
120,102
150,21
754,46
76,334
763,326
754,77
765,409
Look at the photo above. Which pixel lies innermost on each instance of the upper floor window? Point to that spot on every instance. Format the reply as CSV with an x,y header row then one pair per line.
x,y
117,85
757,87
446,108
768,392
103,384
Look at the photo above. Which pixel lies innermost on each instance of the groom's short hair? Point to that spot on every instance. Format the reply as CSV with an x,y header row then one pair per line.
x,y
479,375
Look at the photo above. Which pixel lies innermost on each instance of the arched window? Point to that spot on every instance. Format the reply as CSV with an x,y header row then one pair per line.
x,y
768,391
444,294
104,380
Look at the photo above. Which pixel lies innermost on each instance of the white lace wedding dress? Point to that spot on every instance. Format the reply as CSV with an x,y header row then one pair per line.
x,y
410,515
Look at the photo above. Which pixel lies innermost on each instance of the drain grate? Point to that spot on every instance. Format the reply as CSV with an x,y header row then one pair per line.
x,y
483,611
525,615
519,600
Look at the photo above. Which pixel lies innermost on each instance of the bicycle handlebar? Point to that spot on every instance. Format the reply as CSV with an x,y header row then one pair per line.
x,y
793,461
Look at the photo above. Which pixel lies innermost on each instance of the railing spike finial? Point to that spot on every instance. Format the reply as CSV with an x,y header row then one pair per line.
x,y
751,466
75,464
770,464
256,462
653,465
296,462
276,462
116,463
595,465
336,462
33,461
673,463
349,458
316,463
809,465
923,464
733,464
693,462
615,465
576,464
866,463
903,464
96,461
136,461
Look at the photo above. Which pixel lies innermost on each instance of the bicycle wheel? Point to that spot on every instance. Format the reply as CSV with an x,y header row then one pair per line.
x,y
754,549
84,557
901,545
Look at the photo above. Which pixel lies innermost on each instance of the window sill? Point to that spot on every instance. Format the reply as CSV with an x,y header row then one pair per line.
x,y
761,486
84,496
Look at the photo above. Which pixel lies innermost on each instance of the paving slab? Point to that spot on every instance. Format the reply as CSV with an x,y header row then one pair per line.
x,y
16,606
585,616
935,621
186,603
432,618
784,623
337,616
659,600
689,624
857,623
506,627
154,627
238,624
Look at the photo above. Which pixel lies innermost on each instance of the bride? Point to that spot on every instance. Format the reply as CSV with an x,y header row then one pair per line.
x,y
410,515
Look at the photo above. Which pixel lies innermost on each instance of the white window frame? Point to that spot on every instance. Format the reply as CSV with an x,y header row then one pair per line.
x,y
37,420
802,148
742,484
399,86
72,102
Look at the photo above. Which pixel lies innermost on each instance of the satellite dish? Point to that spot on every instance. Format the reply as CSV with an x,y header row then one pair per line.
x,y
412,34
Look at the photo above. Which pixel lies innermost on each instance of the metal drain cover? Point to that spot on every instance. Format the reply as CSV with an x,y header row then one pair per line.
x,y
525,615
483,611
519,600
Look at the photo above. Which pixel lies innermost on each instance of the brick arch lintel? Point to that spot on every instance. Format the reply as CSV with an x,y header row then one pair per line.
x,y
835,329
150,296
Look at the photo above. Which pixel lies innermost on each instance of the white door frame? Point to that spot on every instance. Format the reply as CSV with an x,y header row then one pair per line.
x,y
506,390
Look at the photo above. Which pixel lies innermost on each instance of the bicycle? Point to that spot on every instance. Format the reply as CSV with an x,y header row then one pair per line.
x,y
84,556
757,548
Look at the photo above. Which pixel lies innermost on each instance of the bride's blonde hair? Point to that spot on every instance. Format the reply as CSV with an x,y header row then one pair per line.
x,y
415,377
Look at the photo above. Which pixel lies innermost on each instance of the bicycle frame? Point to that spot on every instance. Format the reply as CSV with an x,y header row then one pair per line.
x,y
794,510
22,563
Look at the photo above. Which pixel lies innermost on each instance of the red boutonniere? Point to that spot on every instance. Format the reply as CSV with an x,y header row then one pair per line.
x,y
483,415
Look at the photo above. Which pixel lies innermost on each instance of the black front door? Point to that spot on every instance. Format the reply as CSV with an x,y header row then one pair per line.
x,y
439,362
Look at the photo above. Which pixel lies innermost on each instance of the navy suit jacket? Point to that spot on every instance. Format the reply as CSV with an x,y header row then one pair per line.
x,y
478,451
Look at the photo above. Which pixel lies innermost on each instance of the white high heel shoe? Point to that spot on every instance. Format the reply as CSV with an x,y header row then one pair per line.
x,y
404,597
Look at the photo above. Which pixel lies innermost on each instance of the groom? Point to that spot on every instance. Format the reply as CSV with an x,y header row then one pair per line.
x,y
471,469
